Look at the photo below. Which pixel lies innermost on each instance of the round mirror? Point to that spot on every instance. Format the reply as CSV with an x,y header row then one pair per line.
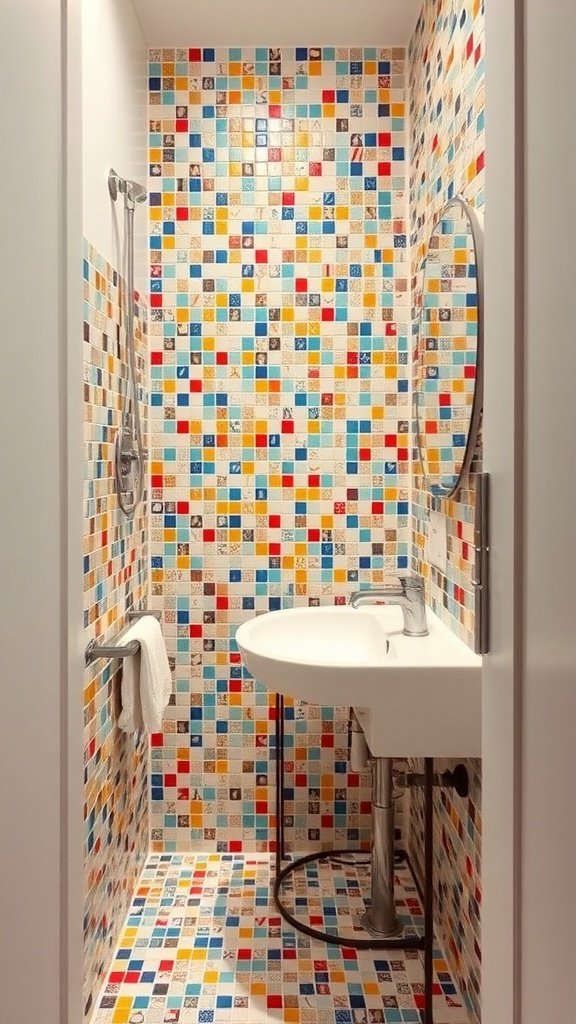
x,y
449,374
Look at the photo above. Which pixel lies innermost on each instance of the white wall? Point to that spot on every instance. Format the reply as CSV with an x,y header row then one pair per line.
x,y
549,694
114,130
291,23
502,440
41,629
529,713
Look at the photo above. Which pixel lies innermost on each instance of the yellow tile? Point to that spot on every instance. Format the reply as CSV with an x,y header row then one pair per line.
x,y
370,988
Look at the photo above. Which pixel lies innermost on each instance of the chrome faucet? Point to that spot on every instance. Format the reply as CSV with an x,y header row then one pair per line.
x,y
408,593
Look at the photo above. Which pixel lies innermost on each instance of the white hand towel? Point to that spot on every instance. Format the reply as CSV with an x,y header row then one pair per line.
x,y
146,678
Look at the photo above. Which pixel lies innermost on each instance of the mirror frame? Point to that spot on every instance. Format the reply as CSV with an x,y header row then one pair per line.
x,y
477,232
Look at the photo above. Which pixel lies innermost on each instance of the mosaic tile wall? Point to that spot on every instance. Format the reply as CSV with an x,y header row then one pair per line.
x,y
115,578
446,62
446,74
280,434
445,382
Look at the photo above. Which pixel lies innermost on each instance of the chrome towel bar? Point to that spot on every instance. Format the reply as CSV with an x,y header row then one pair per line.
x,y
117,650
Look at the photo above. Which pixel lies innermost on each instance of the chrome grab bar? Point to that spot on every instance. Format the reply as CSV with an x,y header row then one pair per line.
x,y
116,650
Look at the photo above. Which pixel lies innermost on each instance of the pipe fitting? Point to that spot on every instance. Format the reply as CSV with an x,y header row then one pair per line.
x,y
456,779
358,745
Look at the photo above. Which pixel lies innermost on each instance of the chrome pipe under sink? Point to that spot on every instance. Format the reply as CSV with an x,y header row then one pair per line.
x,y
380,919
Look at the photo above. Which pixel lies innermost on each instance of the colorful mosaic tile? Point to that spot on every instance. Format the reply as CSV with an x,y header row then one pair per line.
x,y
446,61
457,867
204,942
447,347
280,406
115,578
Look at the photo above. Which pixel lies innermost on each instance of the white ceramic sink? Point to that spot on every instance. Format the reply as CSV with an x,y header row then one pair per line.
x,y
413,696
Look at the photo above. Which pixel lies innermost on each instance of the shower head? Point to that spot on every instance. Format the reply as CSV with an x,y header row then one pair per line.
x,y
134,192
137,193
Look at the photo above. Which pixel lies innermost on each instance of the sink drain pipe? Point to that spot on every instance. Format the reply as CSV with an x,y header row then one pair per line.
x,y
381,920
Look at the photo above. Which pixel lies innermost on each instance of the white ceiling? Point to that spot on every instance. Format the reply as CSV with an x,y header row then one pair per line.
x,y
265,23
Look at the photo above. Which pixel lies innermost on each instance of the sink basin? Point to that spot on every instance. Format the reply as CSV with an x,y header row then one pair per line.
x,y
413,696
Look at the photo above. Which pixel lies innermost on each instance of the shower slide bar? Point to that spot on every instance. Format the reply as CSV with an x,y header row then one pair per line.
x,y
117,649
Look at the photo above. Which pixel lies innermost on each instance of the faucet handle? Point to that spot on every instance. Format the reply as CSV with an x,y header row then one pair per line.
x,y
412,582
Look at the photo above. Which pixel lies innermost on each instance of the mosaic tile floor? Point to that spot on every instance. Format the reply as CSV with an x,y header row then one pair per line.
x,y
203,942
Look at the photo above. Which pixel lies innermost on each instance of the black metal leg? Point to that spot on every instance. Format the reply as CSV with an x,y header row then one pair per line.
x,y
428,889
279,733
280,770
